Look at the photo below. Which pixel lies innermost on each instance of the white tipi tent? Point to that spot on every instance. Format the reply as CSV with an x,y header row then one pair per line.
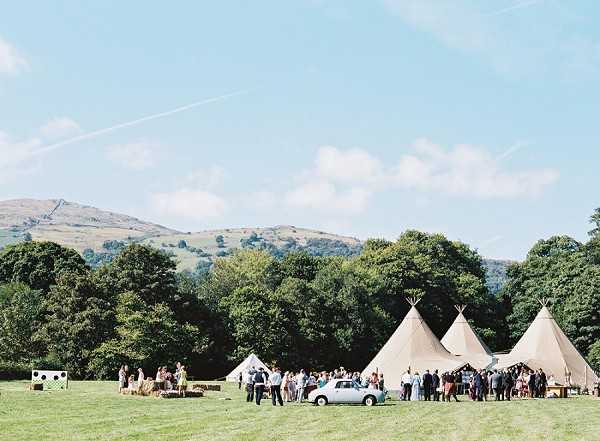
x,y
544,345
460,339
251,361
413,345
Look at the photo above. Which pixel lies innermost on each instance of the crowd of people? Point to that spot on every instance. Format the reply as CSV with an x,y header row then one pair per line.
x,y
293,386
504,384
164,380
290,386
479,385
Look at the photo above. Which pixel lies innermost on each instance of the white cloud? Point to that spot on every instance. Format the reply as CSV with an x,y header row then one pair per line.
x,y
353,165
323,195
503,37
137,155
58,127
197,205
344,180
11,61
16,156
467,170
209,178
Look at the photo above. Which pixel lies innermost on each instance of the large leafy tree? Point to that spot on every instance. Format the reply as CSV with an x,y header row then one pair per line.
x,y
20,316
80,316
147,336
442,272
38,264
145,271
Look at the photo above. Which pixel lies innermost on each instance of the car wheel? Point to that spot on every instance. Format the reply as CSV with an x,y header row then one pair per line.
x,y
321,401
369,400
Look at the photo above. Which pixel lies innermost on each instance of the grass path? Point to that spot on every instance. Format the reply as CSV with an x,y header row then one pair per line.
x,y
94,411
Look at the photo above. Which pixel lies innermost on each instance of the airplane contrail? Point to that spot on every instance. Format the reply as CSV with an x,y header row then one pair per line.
x,y
99,132
511,150
518,5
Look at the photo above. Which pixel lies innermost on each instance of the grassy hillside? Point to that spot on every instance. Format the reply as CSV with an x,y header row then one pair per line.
x,y
98,235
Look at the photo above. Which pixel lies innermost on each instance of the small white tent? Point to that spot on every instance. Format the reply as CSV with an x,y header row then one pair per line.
x,y
413,345
460,339
544,345
251,361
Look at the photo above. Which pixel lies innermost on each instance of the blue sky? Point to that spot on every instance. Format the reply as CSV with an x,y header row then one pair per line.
x,y
477,119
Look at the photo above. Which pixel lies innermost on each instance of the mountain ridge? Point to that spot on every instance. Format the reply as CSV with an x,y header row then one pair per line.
x,y
99,234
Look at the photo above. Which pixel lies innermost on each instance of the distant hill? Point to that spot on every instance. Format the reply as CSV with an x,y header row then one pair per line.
x,y
495,273
99,235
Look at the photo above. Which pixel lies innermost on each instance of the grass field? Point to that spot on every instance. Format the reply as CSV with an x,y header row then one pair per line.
x,y
94,411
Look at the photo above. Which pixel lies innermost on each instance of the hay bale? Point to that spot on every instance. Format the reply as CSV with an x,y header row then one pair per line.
x,y
210,387
175,394
147,388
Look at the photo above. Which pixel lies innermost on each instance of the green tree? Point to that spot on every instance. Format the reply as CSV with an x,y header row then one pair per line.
x,y
145,271
20,315
80,316
38,264
147,336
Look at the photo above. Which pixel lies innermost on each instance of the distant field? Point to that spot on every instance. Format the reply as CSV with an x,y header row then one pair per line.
x,y
94,411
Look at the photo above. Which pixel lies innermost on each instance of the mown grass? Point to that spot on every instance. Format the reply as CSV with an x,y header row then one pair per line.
x,y
94,411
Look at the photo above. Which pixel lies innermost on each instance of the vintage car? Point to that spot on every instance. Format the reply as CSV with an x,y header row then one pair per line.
x,y
342,391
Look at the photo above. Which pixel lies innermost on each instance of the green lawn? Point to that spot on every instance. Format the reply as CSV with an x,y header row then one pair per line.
x,y
94,411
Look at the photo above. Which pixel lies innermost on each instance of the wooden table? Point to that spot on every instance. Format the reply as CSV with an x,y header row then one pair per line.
x,y
560,391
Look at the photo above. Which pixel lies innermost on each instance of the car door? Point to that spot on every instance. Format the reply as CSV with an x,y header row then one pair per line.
x,y
344,392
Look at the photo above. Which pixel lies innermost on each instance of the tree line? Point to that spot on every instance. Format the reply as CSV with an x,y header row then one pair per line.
x,y
297,310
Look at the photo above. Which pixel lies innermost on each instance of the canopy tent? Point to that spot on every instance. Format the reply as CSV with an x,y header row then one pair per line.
x,y
413,345
544,345
460,339
251,361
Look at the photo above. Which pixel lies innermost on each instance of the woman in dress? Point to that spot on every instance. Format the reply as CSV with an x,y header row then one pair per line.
x,y
182,383
292,387
122,378
284,386
415,394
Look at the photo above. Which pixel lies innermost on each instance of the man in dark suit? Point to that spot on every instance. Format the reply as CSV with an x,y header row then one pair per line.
x,y
435,384
427,382
531,384
497,384
543,384
507,381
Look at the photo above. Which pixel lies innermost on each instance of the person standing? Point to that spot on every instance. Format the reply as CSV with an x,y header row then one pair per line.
x,y
300,385
478,382
415,392
260,380
496,384
543,383
507,380
250,384
240,378
182,381
275,380
406,384
435,384
122,379
292,386
427,384
531,382
457,382
381,384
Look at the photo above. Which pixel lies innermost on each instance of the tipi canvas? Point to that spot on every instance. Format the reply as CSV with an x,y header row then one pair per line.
x,y
460,339
544,345
413,345
250,362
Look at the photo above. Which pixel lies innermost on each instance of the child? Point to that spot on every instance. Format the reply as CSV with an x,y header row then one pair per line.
x,y
131,385
182,383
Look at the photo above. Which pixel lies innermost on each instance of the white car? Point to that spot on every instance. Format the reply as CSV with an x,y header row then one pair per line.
x,y
340,391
